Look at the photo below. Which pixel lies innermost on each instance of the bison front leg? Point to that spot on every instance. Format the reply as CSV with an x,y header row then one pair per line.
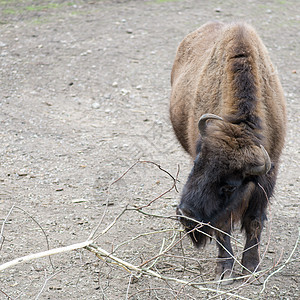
x,y
225,258
250,259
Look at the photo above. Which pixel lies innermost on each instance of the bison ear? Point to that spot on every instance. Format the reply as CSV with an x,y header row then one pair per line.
x,y
265,167
203,119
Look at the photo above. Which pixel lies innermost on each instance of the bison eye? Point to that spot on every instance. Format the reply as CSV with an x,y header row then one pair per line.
x,y
227,189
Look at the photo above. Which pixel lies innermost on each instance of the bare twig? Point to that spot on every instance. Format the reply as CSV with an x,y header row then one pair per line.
x,y
175,179
143,235
33,219
8,297
43,254
128,286
45,283
111,224
148,266
103,254
148,162
2,227
162,252
283,265
154,289
37,223
249,279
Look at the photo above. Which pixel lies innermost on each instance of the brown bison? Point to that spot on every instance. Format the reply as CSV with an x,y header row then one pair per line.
x,y
225,87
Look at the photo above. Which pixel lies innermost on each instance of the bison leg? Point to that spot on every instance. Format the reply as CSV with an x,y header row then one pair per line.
x,y
225,258
250,259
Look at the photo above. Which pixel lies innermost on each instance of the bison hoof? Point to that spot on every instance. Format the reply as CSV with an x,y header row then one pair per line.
x,y
250,267
250,276
251,270
225,274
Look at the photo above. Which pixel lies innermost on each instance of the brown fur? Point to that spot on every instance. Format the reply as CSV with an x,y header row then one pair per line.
x,y
226,70
203,82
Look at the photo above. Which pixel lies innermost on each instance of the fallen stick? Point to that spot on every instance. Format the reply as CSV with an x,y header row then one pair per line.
x,y
43,254
103,254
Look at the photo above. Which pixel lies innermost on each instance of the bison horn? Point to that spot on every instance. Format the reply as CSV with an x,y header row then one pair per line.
x,y
262,169
203,119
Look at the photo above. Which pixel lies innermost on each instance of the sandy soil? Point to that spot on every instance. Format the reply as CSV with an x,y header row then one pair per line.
x,y
84,93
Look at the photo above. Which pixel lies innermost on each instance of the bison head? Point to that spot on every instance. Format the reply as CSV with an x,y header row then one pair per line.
x,y
222,180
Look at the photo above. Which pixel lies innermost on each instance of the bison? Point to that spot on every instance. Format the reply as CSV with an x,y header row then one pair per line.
x,y
227,109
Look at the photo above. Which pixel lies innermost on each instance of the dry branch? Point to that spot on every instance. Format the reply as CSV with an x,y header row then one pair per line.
x,y
43,254
45,283
103,254
284,264
146,268
174,179
33,219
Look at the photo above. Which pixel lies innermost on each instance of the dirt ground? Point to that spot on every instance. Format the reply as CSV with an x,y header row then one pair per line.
x,y
84,88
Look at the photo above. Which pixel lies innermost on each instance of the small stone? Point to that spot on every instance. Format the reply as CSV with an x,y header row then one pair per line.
x,y
218,9
96,105
55,288
114,84
47,103
108,204
124,92
139,87
86,53
22,174
129,31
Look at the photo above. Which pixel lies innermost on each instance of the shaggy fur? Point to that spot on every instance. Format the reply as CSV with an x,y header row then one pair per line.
x,y
226,70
